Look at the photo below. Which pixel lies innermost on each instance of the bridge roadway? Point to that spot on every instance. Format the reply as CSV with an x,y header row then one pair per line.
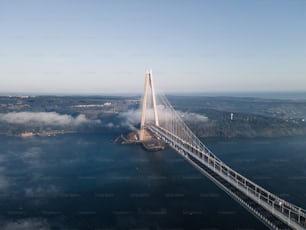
x,y
270,209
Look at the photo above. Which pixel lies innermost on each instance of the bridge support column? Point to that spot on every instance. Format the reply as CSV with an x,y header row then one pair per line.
x,y
148,83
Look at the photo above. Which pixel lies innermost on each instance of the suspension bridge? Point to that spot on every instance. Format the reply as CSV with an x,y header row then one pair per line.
x,y
273,211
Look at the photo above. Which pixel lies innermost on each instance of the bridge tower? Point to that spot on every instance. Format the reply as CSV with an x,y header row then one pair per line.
x,y
148,83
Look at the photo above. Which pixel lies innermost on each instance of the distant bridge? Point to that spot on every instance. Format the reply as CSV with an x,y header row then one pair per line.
x,y
273,211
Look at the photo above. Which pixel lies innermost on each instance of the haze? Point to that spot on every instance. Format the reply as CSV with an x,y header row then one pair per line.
x,y
64,46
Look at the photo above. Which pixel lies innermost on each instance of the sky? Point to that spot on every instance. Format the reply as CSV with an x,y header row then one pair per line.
x,y
105,46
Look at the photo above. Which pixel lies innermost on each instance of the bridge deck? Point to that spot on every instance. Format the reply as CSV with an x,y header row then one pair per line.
x,y
273,211
265,216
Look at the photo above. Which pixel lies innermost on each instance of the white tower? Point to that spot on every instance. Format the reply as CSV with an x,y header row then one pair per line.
x,y
148,83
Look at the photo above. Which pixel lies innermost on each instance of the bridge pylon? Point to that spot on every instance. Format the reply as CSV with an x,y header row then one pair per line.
x,y
148,84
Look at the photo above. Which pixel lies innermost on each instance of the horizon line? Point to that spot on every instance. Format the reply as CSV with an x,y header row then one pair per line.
x,y
196,93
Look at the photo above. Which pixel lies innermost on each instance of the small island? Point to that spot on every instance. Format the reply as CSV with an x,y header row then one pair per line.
x,y
149,142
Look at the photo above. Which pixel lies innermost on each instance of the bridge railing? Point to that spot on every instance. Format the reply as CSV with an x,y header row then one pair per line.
x,y
289,213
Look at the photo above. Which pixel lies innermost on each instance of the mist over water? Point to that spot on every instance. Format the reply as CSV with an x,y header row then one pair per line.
x,y
84,181
298,95
44,118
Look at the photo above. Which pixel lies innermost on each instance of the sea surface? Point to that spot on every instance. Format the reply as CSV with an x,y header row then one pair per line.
x,y
85,181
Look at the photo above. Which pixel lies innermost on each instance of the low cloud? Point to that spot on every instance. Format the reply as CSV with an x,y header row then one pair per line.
x,y
4,184
44,118
132,117
42,191
193,117
33,152
26,224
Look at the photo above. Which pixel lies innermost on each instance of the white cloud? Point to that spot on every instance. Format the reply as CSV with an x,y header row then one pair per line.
x,y
193,117
27,224
110,125
2,158
44,118
132,117
3,183
32,152
41,191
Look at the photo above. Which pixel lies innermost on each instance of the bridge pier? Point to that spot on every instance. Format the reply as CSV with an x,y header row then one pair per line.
x,y
148,83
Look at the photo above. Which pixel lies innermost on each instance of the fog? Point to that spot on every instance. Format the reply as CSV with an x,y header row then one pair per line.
x,y
44,118
132,117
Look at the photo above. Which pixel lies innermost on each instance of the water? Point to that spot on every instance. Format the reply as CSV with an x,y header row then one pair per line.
x,y
84,181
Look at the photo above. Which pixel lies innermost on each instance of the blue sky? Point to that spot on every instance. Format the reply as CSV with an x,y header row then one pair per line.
x,y
105,46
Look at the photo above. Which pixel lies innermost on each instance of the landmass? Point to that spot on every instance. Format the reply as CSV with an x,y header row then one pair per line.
x,y
228,117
